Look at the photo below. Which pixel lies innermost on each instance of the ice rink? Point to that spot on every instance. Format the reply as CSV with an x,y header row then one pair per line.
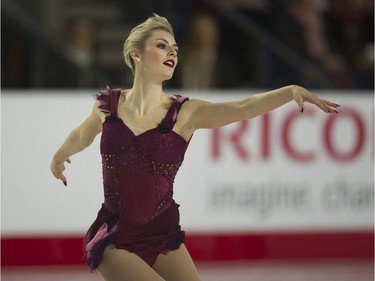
x,y
324,270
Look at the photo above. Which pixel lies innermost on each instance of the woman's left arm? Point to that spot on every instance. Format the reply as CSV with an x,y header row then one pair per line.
x,y
211,115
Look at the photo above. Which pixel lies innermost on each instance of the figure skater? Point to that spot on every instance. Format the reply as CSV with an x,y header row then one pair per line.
x,y
144,136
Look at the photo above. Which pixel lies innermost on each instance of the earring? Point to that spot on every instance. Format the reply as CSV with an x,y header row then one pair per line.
x,y
138,59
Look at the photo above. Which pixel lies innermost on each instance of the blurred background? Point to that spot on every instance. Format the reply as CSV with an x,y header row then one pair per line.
x,y
325,44
282,197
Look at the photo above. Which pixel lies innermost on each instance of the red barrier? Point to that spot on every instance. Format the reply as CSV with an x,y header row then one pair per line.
x,y
64,250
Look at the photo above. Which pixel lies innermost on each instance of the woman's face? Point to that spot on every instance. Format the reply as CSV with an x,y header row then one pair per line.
x,y
158,58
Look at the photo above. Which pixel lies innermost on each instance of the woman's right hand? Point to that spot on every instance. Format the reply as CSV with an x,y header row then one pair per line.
x,y
58,169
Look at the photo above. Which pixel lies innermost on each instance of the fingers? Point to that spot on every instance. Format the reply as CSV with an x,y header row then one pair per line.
x,y
60,176
57,171
300,103
301,95
319,103
325,105
331,106
63,178
64,181
328,106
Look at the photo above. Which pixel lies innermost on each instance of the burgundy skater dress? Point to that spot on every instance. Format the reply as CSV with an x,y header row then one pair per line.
x,y
139,213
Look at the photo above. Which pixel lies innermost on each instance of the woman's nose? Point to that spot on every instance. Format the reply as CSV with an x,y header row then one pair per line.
x,y
173,52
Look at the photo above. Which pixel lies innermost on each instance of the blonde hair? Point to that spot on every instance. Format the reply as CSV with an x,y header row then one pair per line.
x,y
139,34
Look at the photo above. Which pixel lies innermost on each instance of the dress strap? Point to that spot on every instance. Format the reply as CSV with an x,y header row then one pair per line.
x,y
171,116
108,100
115,95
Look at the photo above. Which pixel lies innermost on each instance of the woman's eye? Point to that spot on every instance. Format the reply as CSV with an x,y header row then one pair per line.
x,y
161,46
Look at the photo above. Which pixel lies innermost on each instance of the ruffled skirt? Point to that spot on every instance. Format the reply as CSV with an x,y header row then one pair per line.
x,y
159,236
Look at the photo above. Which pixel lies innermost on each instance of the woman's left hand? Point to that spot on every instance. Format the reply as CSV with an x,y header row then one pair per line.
x,y
301,95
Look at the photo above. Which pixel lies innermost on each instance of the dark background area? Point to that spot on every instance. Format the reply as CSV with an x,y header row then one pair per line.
x,y
253,44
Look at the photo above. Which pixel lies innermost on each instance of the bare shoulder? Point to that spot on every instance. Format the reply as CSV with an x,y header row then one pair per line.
x,y
197,102
191,105
184,125
188,108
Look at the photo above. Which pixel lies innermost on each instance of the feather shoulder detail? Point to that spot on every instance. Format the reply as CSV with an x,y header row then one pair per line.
x,y
104,97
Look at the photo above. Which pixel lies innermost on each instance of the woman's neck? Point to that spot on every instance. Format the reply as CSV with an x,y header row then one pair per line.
x,y
145,96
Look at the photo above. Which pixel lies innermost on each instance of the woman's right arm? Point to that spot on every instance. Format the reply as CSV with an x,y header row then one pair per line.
x,y
80,138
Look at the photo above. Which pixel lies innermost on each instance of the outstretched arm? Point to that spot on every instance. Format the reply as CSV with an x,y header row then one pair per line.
x,y
80,138
211,115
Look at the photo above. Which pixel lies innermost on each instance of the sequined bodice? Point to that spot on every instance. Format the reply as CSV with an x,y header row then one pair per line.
x,y
139,171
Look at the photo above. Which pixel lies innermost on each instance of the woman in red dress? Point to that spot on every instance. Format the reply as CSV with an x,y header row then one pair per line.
x,y
145,133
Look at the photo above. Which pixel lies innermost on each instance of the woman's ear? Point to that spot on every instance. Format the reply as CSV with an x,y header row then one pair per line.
x,y
135,55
